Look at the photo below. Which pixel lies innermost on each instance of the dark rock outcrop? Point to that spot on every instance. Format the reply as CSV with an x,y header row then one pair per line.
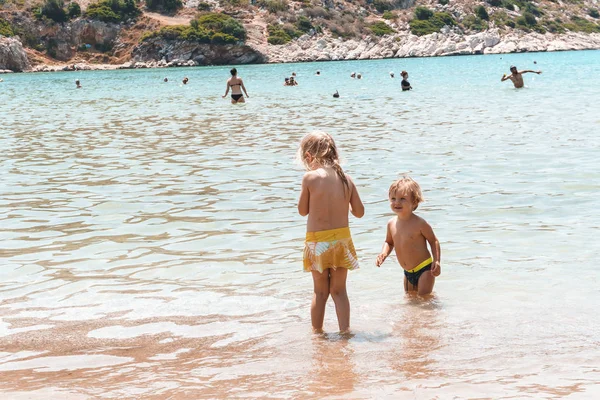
x,y
202,54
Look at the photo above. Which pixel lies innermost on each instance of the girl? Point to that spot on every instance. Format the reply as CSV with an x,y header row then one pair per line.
x,y
236,84
326,196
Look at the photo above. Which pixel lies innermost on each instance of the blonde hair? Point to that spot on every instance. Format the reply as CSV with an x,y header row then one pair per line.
x,y
407,185
322,148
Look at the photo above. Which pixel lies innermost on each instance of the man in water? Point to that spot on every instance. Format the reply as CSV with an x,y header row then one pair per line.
x,y
78,84
517,76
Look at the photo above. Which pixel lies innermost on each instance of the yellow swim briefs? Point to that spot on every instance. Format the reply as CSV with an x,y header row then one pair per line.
x,y
329,249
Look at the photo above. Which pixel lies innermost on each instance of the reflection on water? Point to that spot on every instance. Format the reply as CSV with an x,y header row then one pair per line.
x,y
150,245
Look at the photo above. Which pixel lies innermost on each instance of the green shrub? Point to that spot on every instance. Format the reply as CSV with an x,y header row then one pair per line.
x,y
443,18
303,24
274,6
168,6
443,2
433,24
482,13
388,15
495,3
579,24
508,4
212,28
203,6
530,19
383,5
594,13
553,26
277,35
474,23
113,10
235,3
380,28
222,38
5,28
511,23
500,18
74,10
54,10
530,8
217,22
423,13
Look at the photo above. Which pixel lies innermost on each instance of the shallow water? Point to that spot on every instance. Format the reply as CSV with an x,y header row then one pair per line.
x,y
150,245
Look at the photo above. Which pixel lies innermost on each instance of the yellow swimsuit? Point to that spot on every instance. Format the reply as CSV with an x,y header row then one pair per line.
x,y
329,249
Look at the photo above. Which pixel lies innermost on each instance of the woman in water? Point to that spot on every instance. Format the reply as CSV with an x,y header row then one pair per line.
x,y
236,84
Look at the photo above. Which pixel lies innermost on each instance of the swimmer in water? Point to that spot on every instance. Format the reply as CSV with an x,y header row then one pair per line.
x,y
185,80
517,76
78,84
237,85
405,83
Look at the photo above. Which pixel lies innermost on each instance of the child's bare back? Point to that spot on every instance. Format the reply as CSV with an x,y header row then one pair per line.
x,y
328,199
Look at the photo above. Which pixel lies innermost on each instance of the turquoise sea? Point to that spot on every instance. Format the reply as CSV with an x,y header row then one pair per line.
x,y
150,246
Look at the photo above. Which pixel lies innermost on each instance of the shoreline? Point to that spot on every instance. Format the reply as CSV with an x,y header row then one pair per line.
x,y
319,48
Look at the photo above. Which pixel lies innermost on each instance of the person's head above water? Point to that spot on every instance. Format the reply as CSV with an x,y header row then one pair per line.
x,y
78,83
353,75
166,80
233,72
391,74
513,69
404,74
406,186
185,80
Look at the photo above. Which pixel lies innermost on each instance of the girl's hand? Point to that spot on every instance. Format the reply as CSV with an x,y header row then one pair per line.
x,y
436,269
380,259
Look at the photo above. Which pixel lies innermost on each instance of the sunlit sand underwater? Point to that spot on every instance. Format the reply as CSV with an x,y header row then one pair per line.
x,y
150,245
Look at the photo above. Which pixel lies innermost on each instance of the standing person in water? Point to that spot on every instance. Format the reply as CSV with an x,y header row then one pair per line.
x,y
405,84
236,84
327,195
517,76
408,235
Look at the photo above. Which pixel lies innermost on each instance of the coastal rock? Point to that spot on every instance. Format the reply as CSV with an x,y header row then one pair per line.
x,y
201,54
12,55
449,41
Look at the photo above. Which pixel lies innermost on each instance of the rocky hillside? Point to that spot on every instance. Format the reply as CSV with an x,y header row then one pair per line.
x,y
201,32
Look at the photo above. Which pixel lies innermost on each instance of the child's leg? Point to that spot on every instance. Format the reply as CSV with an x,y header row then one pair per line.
x,y
317,308
426,282
337,288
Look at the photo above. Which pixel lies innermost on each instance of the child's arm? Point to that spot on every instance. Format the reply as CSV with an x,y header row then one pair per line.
x,y
304,199
427,232
356,206
388,245
504,77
